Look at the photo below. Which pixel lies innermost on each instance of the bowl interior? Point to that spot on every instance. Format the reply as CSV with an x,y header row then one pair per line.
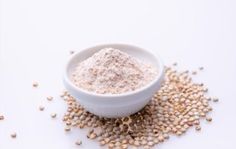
x,y
137,52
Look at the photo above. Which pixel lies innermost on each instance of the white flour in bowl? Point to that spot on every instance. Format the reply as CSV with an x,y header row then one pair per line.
x,y
111,71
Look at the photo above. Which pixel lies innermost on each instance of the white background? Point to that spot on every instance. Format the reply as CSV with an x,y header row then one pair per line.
x,y
36,37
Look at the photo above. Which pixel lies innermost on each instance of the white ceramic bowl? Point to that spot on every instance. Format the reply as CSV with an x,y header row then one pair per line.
x,y
114,105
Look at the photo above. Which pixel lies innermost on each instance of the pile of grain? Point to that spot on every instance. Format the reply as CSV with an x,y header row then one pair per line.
x,y
179,105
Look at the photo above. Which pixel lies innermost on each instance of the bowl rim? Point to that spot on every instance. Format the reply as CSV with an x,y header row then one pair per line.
x,y
154,81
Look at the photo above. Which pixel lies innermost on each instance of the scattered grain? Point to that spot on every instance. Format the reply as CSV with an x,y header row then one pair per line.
x,y
49,98
41,108
185,102
13,135
78,142
198,128
2,117
175,64
194,72
72,52
53,115
209,119
201,68
215,100
35,84
67,128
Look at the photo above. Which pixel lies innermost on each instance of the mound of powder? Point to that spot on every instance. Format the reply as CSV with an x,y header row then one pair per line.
x,y
111,71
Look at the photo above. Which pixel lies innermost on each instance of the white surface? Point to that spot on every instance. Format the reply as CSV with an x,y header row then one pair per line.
x,y
37,35
118,105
